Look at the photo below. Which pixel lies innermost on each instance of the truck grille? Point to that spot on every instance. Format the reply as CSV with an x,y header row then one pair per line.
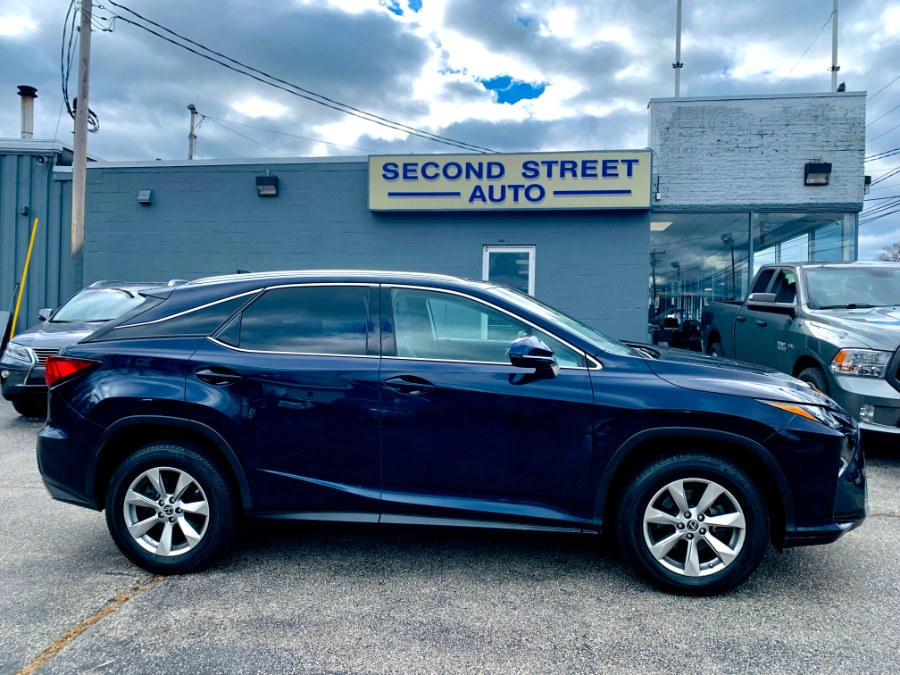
x,y
42,354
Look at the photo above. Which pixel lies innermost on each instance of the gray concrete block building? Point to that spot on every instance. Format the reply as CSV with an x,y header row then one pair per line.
x,y
725,185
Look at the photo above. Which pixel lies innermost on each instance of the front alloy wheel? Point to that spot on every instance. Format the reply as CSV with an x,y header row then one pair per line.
x,y
693,523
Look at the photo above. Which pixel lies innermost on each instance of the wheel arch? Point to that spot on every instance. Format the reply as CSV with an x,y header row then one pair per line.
x,y
129,434
652,444
804,362
711,338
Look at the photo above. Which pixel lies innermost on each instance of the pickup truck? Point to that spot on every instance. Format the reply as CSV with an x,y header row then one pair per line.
x,y
833,325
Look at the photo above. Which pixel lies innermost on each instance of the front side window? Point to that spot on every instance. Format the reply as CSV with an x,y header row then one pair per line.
x,y
304,319
443,326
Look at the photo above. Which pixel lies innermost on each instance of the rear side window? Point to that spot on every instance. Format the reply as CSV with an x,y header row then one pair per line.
x,y
304,320
198,322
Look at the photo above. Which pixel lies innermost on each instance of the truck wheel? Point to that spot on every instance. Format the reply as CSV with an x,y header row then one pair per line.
x,y
816,378
693,523
715,349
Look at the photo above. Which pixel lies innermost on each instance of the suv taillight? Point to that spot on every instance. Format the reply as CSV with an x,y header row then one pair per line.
x,y
59,368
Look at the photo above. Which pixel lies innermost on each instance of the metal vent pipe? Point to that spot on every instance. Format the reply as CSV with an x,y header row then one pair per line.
x,y
28,95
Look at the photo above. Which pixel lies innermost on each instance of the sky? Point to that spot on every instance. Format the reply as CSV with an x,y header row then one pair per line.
x,y
506,75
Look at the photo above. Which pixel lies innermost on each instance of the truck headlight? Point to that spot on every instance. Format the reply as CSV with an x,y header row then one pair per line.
x,y
18,353
861,362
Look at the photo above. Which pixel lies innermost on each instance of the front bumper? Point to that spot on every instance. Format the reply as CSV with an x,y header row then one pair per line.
x,y
18,380
851,393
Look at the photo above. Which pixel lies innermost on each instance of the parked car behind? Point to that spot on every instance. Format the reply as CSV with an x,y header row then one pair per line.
x,y
423,399
834,325
22,362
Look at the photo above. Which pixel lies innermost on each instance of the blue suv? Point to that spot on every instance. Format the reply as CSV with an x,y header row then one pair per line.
x,y
388,397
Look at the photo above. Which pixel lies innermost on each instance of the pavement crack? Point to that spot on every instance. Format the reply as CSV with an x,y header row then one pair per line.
x,y
69,636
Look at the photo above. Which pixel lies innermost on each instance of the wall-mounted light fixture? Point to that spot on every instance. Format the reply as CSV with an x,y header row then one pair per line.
x,y
867,184
145,197
267,186
816,173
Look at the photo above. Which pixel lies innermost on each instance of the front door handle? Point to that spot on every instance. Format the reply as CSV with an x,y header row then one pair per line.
x,y
741,318
762,322
217,376
409,384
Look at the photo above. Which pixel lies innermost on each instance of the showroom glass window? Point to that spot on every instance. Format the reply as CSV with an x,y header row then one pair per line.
x,y
510,265
304,319
444,326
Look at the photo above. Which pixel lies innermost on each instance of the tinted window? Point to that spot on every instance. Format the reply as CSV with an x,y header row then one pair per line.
x,y
98,304
311,319
434,325
198,322
762,281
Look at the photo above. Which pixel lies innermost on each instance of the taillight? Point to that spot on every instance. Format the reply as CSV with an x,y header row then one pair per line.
x,y
59,368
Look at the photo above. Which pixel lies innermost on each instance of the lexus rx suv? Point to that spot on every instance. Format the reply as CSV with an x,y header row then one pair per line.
x,y
23,359
388,397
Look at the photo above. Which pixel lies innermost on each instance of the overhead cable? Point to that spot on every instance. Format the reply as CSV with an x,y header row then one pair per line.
x,y
296,90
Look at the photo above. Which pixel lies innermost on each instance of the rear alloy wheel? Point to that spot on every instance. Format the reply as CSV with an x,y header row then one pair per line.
x,y
693,524
715,349
169,509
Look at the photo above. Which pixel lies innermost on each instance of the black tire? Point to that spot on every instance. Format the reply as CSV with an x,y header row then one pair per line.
x,y
649,516
816,378
715,349
30,406
198,514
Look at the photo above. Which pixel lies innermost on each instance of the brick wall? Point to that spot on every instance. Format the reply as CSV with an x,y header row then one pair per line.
x,y
750,152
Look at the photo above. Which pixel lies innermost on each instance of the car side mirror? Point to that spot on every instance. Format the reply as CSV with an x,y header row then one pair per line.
x,y
765,302
532,352
44,314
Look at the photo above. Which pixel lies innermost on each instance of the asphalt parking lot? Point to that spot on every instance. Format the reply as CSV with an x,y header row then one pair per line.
x,y
339,599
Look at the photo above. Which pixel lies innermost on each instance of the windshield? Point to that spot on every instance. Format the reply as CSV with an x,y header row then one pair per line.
x,y
602,341
853,287
100,304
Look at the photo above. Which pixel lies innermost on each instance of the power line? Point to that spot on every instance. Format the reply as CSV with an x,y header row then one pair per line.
x,y
827,21
296,90
890,172
885,115
252,140
885,133
282,133
883,88
882,155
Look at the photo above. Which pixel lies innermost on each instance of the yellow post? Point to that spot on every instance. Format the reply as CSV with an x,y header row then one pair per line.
x,y
12,331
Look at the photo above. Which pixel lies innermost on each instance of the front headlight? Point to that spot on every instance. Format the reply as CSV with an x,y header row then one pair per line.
x,y
861,362
816,413
18,353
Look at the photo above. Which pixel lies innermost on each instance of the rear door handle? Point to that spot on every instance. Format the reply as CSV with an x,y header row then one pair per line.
x,y
409,384
762,322
217,376
741,318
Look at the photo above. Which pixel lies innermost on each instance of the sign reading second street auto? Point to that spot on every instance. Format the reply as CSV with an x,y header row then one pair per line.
x,y
559,180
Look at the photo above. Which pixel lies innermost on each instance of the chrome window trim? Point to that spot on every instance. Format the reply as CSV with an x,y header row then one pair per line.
x,y
593,364
259,351
188,311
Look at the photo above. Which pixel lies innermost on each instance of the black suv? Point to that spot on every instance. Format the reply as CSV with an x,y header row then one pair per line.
x,y
386,397
22,362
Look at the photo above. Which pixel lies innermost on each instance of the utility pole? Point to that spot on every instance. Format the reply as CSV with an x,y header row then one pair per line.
x,y
79,159
834,47
678,65
192,137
